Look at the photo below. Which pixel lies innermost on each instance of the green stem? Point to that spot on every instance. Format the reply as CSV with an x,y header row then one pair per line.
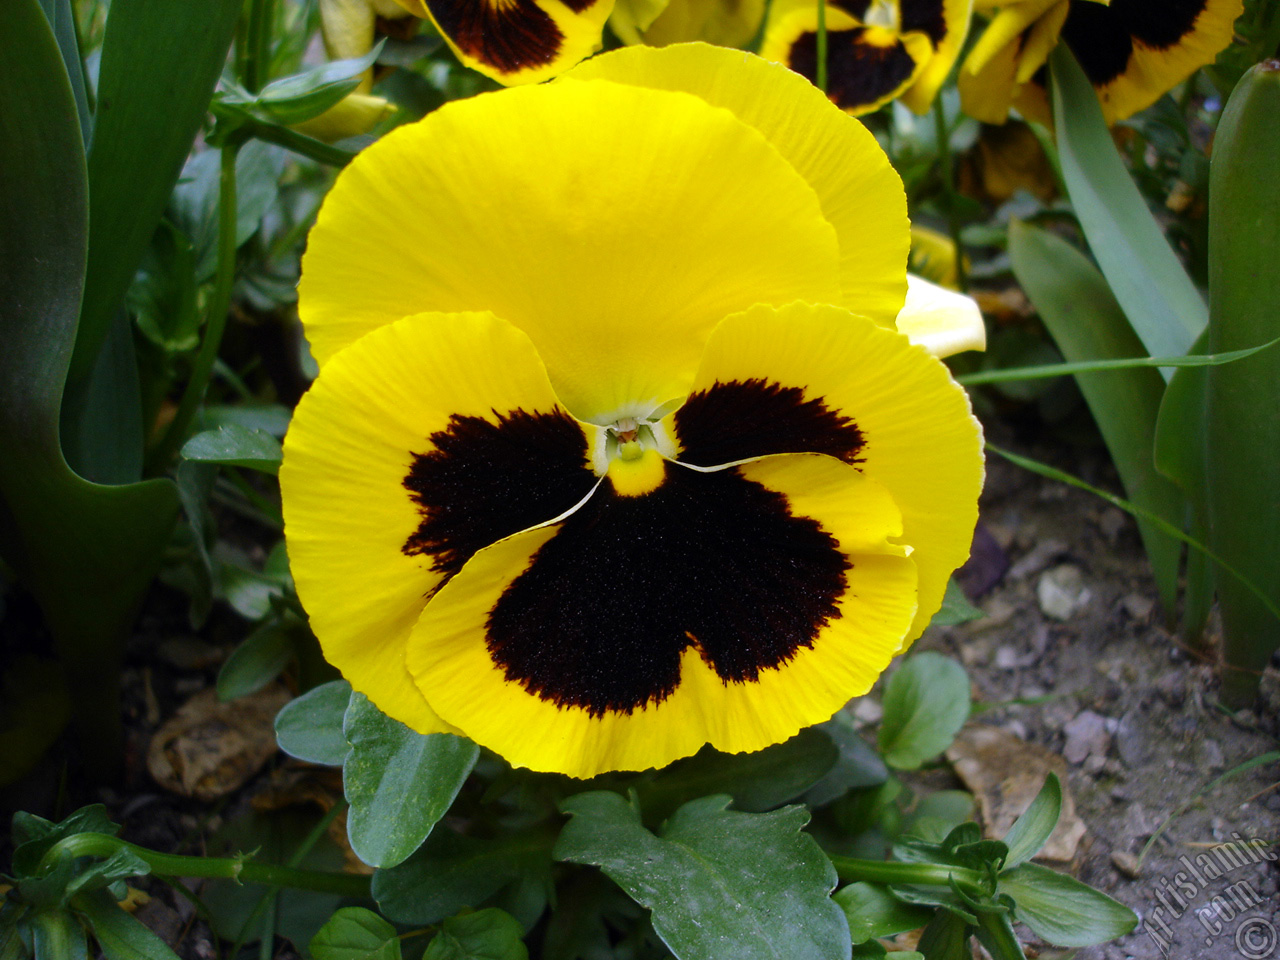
x,y
299,143
820,53
1000,940
216,319
853,870
257,67
218,868
943,136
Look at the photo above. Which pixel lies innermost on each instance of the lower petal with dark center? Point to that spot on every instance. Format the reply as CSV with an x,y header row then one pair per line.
x,y
731,608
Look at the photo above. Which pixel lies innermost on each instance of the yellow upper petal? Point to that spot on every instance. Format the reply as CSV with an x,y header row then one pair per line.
x,y
860,193
614,225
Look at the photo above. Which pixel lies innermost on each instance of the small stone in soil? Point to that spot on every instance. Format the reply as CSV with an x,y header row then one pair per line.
x,y
1086,735
1127,864
1061,592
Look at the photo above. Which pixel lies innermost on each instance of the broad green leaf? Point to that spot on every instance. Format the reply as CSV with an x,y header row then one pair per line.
x,y
1160,301
856,766
235,446
956,608
310,93
721,884
354,933
120,936
159,64
1242,413
946,937
936,814
872,911
34,710
102,432
62,20
399,783
1061,909
271,417
995,932
85,551
259,659
489,934
1085,320
756,781
310,727
57,935
926,702
1030,831
451,871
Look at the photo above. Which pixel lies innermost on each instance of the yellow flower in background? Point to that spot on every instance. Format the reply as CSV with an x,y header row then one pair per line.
x,y
660,23
512,41
615,451
1133,51
877,50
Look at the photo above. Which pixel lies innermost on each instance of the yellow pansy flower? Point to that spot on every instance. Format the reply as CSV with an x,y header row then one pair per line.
x,y
1133,51
877,50
615,451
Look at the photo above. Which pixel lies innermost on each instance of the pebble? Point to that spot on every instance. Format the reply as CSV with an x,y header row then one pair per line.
x,y
1172,687
1138,607
1211,754
1061,592
1086,735
1127,864
1131,743
1044,553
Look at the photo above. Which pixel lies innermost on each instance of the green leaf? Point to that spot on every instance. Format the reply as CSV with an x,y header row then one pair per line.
x,y
354,933
956,608
57,935
945,938
158,69
35,710
721,884
270,417
235,447
34,836
756,781
937,814
259,659
1241,419
1159,299
1086,321
451,871
310,727
872,911
489,934
856,766
926,702
310,93
1030,831
399,783
1061,909
85,551
120,936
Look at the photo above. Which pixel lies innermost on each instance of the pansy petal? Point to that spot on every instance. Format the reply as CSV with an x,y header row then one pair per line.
x,y
956,16
613,224
986,94
848,380
669,628
725,23
941,320
867,66
517,41
860,193
1134,51
435,407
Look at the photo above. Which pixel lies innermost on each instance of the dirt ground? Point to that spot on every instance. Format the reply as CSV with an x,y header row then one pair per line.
x,y
1135,714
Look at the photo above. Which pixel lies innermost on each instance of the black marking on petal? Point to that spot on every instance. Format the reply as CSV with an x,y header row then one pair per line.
x,y
858,73
927,16
1102,38
740,419
484,480
507,35
600,617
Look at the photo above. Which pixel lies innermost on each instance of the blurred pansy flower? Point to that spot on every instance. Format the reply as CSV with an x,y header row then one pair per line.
x,y
659,23
614,450
877,50
512,41
1133,51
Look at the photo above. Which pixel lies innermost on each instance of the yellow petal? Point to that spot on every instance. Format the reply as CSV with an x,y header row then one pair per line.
x,y
1040,41
860,193
354,526
957,15
726,23
630,18
1004,29
941,320
541,696
347,27
517,41
988,93
614,225
919,439
354,114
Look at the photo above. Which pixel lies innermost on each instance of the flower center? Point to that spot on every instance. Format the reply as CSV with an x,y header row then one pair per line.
x,y
632,453
882,13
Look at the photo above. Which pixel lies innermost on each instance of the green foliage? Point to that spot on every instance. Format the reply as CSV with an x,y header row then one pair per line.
x,y
487,934
354,933
926,702
310,727
750,885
